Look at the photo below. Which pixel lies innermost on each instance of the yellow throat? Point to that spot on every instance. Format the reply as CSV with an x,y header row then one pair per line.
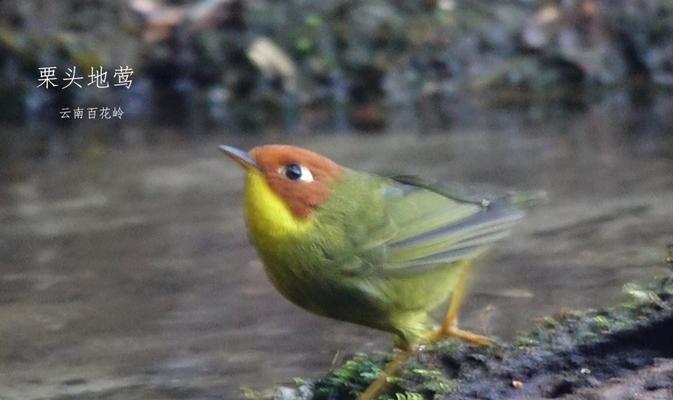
x,y
268,217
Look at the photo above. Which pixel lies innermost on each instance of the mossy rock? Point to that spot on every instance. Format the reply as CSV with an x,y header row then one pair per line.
x,y
573,353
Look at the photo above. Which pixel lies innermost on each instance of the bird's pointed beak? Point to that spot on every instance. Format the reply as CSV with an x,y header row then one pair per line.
x,y
243,158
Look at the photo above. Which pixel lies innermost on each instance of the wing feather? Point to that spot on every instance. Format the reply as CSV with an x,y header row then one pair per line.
x,y
430,227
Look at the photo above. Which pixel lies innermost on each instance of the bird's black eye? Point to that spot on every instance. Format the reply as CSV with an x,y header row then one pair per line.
x,y
293,172
296,172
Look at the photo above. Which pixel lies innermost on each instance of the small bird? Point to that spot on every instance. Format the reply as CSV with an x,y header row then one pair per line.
x,y
376,251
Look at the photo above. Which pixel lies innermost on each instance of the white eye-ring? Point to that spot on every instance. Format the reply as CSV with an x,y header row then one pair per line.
x,y
296,172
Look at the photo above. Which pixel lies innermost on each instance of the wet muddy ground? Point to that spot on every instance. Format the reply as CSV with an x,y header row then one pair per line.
x,y
127,274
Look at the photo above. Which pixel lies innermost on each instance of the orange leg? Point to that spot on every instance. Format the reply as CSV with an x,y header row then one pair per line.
x,y
449,327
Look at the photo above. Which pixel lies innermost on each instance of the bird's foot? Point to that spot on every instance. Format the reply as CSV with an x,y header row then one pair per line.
x,y
379,385
455,332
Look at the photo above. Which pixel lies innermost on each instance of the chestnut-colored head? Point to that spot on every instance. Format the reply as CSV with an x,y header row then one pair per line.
x,y
300,177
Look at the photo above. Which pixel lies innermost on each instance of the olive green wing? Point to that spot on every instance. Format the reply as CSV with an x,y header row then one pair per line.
x,y
426,225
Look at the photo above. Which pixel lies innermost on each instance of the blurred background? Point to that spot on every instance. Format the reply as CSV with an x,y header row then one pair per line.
x,y
125,272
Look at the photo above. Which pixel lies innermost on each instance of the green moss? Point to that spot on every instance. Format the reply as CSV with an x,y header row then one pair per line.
x,y
428,382
550,322
349,379
449,347
249,393
416,381
525,341
600,324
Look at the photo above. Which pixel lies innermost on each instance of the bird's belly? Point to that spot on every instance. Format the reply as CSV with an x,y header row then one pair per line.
x,y
344,298
374,301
